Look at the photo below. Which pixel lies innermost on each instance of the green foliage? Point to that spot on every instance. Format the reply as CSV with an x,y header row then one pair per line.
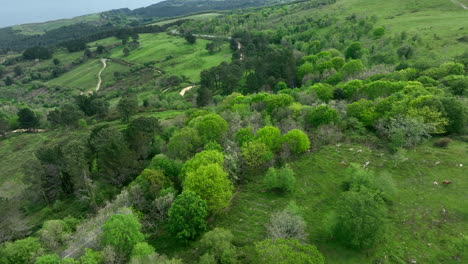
x,y
122,232
184,143
338,63
210,127
54,233
352,68
256,155
218,244
354,51
187,216
271,137
49,259
152,182
457,84
361,218
211,183
363,110
275,101
21,251
91,257
287,251
286,225
127,106
37,53
297,141
324,91
170,168
322,115
203,158
455,113
404,131
378,32
244,135
280,179
27,119
142,249
304,69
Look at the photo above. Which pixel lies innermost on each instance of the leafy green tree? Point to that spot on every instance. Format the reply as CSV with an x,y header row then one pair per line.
x,y
27,119
48,259
203,158
184,143
54,233
256,155
211,127
190,38
287,251
324,91
352,67
218,243
297,141
360,219
142,249
140,135
363,110
37,53
244,135
280,179
122,232
171,168
128,106
21,251
354,51
271,137
275,101
115,162
212,184
91,257
187,216
303,70
337,62
322,115
378,32
455,113
405,51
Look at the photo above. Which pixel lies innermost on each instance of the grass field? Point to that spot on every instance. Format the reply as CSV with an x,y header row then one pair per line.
x,y
418,228
194,17
415,221
186,59
82,78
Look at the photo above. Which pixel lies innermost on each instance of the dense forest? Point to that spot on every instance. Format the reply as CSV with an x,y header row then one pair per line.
x,y
315,132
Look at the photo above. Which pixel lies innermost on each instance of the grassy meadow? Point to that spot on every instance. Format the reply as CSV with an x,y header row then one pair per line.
x,y
194,17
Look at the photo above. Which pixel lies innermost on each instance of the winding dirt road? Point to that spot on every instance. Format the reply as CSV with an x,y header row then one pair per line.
x,y
104,66
185,90
460,4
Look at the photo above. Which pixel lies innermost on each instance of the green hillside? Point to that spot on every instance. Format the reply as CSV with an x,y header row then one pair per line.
x,y
318,131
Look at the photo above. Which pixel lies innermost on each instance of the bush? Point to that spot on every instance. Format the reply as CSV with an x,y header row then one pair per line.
x,y
361,218
210,127
256,155
211,183
287,251
187,216
49,259
442,143
122,232
271,137
281,179
21,251
324,91
218,243
142,249
322,115
244,135
297,141
285,225
203,158
351,68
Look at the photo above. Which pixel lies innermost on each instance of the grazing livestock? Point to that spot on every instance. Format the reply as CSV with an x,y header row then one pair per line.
x,y
447,182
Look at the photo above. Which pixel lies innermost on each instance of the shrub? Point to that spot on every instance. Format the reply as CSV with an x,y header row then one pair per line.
x,y
211,183
404,131
442,143
270,136
21,251
322,115
285,225
49,259
287,251
122,232
324,91
281,179
244,135
187,216
54,233
203,158
361,217
256,155
354,51
297,141
184,143
211,127
91,257
142,249
351,68
218,244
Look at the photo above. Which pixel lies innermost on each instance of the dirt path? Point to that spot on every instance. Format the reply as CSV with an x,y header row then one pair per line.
x,y
185,90
460,4
104,66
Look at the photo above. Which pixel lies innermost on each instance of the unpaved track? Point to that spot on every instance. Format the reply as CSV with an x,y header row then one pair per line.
x,y
104,66
460,4
185,90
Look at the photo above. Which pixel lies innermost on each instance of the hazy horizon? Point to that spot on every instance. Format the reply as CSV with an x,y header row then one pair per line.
x,y
33,11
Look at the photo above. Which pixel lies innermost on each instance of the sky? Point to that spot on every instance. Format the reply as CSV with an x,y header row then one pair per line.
x,y
14,12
